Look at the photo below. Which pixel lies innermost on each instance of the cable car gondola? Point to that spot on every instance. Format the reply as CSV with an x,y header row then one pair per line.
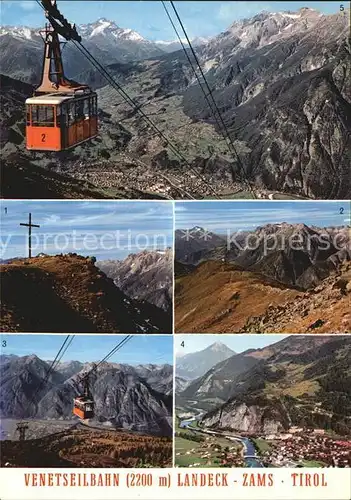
x,y
83,406
62,113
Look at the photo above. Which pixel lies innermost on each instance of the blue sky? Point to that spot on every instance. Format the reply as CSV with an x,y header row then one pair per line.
x,y
107,230
141,349
219,217
148,17
237,343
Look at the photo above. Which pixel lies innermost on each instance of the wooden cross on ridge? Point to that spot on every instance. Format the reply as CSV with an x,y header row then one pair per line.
x,y
29,225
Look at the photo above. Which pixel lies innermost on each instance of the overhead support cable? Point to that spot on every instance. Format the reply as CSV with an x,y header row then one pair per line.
x,y
209,94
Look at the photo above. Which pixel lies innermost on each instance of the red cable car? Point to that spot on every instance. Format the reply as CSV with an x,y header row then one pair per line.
x,y
83,406
62,113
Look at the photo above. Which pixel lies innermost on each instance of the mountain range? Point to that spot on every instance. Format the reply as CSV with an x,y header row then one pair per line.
x,y
129,397
294,254
75,296
194,365
103,38
300,380
147,275
253,283
280,80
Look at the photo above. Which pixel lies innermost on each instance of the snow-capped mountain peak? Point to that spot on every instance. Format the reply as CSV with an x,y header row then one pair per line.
x,y
173,45
132,35
20,32
104,27
101,27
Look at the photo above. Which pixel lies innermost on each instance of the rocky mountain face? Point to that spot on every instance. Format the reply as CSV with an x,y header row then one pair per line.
x,y
125,396
281,81
145,276
180,383
7,357
301,381
75,297
216,383
192,244
195,364
160,377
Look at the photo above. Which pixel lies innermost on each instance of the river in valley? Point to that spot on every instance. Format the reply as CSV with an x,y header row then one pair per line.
x,y
250,454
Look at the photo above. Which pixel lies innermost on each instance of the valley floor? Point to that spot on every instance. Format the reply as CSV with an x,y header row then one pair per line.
x,y
36,429
197,446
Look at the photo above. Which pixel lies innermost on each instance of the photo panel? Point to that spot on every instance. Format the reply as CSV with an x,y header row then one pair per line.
x,y
86,401
191,100
86,266
175,250
262,267
262,401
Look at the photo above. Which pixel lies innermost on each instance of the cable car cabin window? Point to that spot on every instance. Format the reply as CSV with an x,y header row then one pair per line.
x,y
28,114
71,113
93,106
86,108
63,115
79,110
58,116
42,115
